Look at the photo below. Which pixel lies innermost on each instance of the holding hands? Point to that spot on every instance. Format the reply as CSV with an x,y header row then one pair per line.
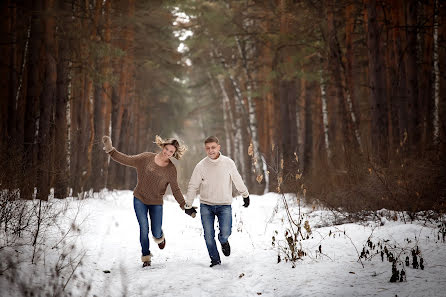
x,y
108,147
190,210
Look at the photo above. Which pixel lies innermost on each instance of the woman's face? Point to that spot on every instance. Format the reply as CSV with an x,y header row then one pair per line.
x,y
169,150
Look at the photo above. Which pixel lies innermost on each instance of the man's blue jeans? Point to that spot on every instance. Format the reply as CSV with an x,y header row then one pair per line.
x,y
156,222
224,216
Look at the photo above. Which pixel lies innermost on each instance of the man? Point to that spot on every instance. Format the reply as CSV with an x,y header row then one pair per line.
x,y
214,176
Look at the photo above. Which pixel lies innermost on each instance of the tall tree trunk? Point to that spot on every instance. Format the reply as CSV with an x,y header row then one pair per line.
x,y
414,135
34,89
309,132
7,15
61,173
246,54
287,94
46,104
393,90
228,118
378,99
107,88
426,76
400,84
351,82
20,82
101,106
324,110
121,101
351,140
436,73
440,83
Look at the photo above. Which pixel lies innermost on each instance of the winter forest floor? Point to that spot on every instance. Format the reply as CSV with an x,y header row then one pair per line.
x,y
93,250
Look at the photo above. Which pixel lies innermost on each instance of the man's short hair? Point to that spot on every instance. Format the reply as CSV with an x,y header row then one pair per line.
x,y
211,139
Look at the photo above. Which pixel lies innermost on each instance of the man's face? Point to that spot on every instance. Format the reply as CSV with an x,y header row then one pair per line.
x,y
212,150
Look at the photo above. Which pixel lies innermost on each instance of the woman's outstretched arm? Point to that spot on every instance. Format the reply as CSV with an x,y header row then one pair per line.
x,y
127,160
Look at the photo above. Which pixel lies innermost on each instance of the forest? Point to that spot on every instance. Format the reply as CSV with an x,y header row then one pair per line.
x,y
343,101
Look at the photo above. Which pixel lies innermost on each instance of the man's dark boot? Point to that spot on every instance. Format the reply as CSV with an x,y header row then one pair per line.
x,y
213,263
226,248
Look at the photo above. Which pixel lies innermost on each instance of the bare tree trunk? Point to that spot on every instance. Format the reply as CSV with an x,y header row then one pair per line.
x,y
349,74
324,114
102,105
414,135
426,74
350,145
246,55
46,105
61,125
400,80
442,77
308,144
6,68
436,70
378,99
228,117
121,99
34,89
21,83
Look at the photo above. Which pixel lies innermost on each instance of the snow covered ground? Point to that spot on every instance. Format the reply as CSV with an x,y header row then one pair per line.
x,y
106,234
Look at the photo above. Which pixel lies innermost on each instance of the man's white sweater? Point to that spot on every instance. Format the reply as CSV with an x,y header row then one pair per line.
x,y
214,179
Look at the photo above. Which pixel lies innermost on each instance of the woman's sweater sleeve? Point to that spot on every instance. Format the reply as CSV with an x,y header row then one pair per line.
x,y
124,159
176,191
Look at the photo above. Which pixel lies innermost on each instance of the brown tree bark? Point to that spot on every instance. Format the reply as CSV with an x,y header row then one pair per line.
x,y
46,104
102,106
378,98
61,173
6,19
414,106
442,79
121,94
400,82
34,88
308,95
286,93
426,75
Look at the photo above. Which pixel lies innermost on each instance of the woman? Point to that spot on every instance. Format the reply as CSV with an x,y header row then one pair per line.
x,y
154,173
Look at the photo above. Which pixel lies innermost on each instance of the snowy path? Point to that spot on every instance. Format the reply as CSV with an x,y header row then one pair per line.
x,y
110,235
109,238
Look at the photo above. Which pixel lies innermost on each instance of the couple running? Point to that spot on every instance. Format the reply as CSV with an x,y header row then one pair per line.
x,y
213,176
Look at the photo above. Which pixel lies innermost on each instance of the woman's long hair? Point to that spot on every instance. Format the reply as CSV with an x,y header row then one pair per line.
x,y
180,148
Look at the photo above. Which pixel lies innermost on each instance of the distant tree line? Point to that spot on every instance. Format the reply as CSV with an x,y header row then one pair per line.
x,y
351,94
343,98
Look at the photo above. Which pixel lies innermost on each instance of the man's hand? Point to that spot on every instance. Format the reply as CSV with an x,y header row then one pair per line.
x,y
246,201
191,211
108,147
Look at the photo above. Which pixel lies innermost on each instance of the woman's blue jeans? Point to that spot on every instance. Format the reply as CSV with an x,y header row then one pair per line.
x,y
224,216
156,222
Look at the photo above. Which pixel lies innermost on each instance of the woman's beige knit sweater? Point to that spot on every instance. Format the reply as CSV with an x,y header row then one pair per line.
x,y
152,178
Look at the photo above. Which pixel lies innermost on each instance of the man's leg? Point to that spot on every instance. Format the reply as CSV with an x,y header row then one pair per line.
x,y
141,214
224,215
207,219
156,222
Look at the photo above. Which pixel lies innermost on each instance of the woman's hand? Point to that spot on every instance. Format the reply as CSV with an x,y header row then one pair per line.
x,y
108,147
